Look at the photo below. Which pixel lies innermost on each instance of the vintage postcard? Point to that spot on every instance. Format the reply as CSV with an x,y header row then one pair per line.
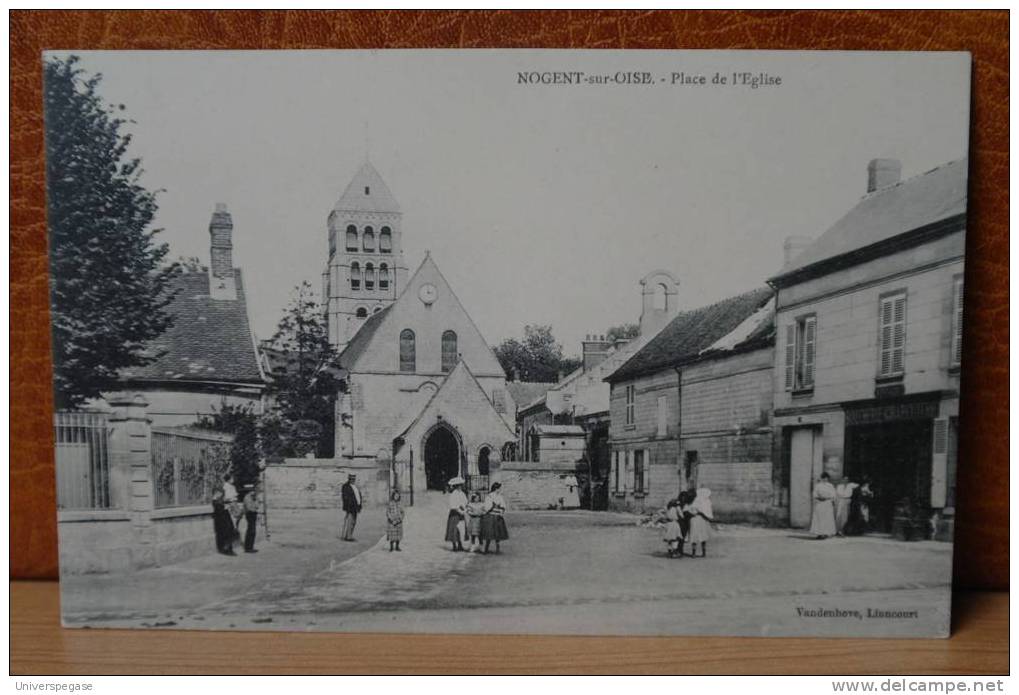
x,y
531,341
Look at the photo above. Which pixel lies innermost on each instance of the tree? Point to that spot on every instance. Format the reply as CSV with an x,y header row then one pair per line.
x,y
245,452
109,287
538,357
304,387
626,331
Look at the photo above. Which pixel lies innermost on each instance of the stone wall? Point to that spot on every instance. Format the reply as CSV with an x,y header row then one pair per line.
x,y
529,485
315,483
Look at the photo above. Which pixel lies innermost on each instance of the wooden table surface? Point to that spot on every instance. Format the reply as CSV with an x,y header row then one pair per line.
x,y
979,645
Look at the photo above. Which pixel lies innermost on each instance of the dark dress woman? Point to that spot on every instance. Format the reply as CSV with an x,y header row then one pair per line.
x,y
493,523
222,525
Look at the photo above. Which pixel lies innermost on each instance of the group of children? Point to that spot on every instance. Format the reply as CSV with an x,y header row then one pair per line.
x,y
688,519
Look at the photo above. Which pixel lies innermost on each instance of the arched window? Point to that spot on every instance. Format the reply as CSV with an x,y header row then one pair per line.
x,y
362,312
483,460
386,240
369,276
355,276
449,354
369,239
408,351
661,299
351,237
383,276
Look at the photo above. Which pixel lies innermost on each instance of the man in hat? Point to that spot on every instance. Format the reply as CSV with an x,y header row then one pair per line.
x,y
350,496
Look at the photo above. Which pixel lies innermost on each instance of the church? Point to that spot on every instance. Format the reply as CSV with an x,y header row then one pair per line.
x,y
422,388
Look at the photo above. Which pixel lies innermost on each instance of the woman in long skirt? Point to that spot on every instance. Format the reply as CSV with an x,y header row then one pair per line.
x,y
672,532
843,498
222,525
475,511
457,512
822,523
493,525
394,521
700,522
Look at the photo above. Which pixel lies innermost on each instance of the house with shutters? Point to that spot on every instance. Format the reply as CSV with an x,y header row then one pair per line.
x,y
869,349
692,408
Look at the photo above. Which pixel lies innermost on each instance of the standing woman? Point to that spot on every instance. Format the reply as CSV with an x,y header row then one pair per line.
x,y
493,525
457,511
822,523
394,521
843,497
222,526
702,516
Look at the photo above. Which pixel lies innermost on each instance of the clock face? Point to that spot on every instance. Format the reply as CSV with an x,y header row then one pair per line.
x,y
427,293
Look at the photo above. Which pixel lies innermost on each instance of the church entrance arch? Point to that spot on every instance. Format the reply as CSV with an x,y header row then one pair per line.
x,y
442,453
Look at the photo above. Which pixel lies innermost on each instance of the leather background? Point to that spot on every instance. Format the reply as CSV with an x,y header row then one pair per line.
x,y
981,548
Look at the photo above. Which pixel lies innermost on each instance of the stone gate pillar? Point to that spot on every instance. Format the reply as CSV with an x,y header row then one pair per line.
x,y
131,483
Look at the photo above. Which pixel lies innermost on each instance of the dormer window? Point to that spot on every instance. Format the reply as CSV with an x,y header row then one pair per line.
x,y
368,241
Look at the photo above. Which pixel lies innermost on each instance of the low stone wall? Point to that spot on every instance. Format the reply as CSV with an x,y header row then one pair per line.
x,y
316,483
533,485
109,541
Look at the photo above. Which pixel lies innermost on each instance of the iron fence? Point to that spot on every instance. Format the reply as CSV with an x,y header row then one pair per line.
x,y
83,460
477,483
187,464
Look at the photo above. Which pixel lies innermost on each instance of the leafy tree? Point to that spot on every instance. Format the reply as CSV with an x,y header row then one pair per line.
x,y
304,385
245,452
626,331
538,357
109,287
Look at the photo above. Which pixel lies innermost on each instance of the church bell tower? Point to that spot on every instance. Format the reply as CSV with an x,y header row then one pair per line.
x,y
366,270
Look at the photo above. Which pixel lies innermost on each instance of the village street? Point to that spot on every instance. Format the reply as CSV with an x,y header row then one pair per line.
x,y
561,571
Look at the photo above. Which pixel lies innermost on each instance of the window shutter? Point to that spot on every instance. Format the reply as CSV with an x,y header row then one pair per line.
x,y
628,472
939,463
809,350
790,355
957,324
663,416
885,363
899,334
615,471
647,471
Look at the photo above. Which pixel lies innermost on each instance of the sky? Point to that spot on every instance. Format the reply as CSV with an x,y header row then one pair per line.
x,y
540,203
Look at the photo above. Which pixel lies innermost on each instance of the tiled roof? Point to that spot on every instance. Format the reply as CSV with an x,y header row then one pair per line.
x,y
887,212
210,339
688,334
525,393
378,197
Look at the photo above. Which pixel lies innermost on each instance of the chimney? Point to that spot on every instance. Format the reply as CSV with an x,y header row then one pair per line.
x,y
595,349
793,247
882,173
221,266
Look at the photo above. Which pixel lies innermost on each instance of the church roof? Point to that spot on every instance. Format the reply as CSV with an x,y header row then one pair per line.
x,y
359,343
210,339
367,192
